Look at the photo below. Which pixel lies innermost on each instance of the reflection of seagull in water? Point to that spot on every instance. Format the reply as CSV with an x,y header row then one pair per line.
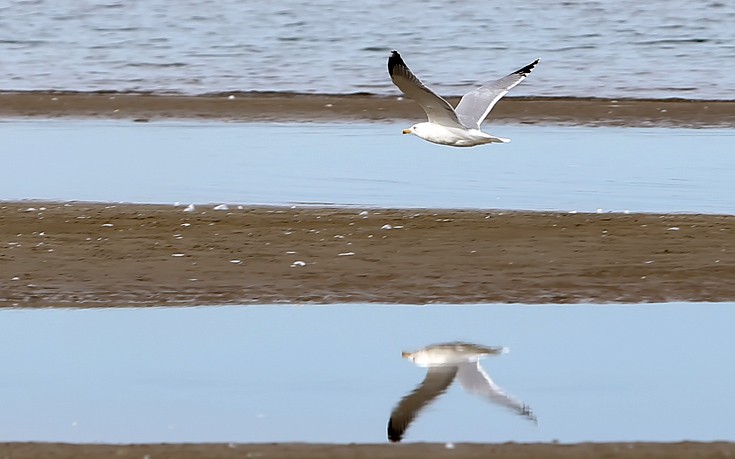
x,y
445,362
460,126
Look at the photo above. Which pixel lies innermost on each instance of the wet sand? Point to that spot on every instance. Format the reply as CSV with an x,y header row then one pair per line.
x,y
282,107
89,255
689,450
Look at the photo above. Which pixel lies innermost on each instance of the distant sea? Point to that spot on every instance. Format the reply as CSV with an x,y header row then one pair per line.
x,y
607,48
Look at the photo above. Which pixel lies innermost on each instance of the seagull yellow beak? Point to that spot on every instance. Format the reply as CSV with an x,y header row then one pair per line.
x,y
404,354
406,131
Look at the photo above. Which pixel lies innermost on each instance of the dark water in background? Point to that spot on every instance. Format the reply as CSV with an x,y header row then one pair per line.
x,y
620,48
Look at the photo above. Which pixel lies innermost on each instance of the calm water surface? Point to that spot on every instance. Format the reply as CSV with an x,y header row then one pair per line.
x,y
544,168
333,374
617,48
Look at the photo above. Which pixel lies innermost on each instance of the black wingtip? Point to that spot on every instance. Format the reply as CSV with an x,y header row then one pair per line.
x,y
394,435
527,69
394,60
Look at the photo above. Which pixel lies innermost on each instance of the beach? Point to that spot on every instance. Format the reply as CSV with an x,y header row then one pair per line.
x,y
294,107
407,451
107,255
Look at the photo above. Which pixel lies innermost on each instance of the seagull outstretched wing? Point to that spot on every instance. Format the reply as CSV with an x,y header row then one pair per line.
x,y
436,382
437,109
474,380
474,106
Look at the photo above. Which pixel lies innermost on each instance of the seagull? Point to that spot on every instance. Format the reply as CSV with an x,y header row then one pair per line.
x,y
460,126
445,362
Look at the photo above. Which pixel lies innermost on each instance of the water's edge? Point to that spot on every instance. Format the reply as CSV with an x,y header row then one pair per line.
x,y
301,107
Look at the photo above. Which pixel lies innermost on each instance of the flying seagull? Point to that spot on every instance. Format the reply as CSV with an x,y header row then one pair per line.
x,y
460,126
446,362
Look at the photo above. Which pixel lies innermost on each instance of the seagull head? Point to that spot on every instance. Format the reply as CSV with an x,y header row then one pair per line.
x,y
427,131
416,357
423,358
423,130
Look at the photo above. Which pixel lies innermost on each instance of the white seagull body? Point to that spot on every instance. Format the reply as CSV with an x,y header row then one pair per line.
x,y
456,127
445,363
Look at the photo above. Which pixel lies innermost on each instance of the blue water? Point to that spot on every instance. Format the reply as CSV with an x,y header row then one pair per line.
x,y
615,48
333,374
543,168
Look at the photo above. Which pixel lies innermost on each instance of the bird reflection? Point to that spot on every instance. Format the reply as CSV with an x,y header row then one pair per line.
x,y
445,362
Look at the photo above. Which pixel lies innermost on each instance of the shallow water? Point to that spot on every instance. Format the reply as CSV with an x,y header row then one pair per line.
x,y
617,48
544,168
333,374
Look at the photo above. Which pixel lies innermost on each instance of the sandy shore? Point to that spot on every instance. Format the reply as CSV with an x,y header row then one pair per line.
x,y
281,107
81,254
687,450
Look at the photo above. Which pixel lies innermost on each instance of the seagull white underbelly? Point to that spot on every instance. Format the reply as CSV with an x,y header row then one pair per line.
x,y
456,137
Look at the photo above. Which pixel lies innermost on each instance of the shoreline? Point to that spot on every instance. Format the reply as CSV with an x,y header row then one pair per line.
x,y
293,107
78,254
631,450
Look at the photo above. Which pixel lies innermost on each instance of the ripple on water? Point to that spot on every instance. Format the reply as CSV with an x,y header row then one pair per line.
x,y
341,47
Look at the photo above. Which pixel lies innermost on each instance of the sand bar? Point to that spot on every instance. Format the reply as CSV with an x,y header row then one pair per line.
x,y
689,450
289,107
89,255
